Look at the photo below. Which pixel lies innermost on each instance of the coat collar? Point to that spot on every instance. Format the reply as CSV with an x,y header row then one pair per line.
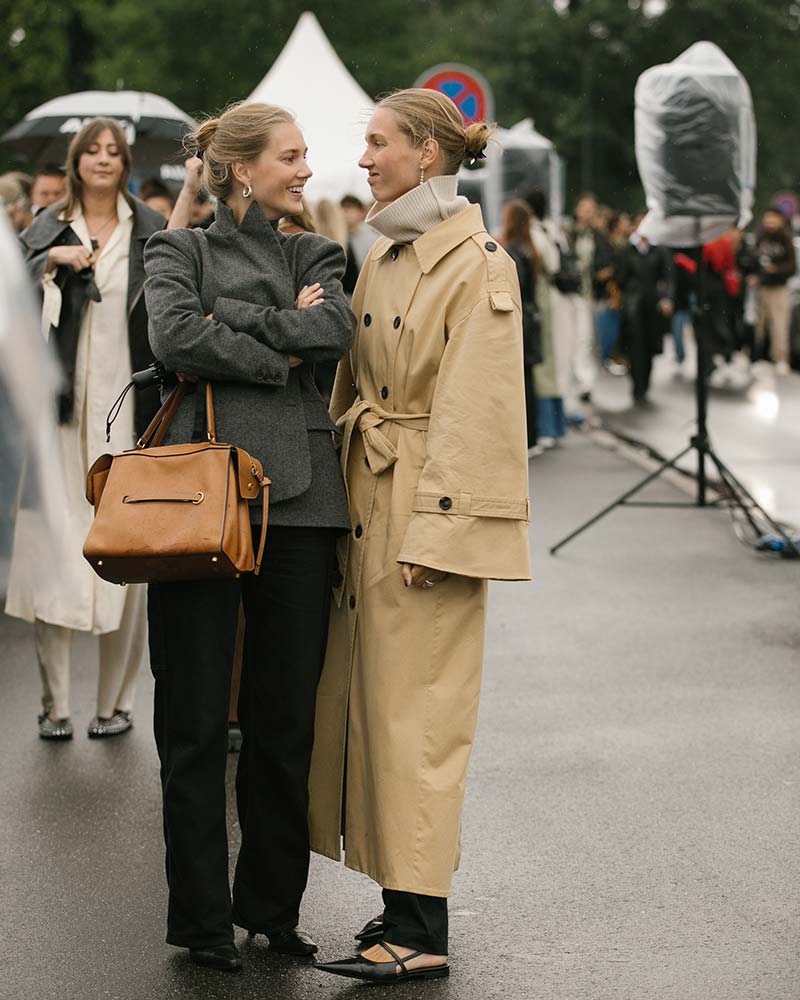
x,y
437,242
253,223
49,224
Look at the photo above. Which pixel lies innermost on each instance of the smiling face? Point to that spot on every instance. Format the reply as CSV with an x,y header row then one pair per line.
x,y
391,161
279,173
101,164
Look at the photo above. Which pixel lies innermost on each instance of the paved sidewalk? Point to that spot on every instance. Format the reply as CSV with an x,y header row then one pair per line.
x,y
631,823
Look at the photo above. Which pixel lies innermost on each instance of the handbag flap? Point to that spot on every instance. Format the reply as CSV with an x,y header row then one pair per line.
x,y
250,474
96,478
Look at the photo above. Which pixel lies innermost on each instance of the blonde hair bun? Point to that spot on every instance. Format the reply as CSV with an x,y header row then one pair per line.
x,y
477,136
428,114
201,139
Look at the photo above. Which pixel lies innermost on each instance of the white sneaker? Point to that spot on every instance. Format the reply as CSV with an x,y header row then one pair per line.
x,y
781,368
535,450
547,442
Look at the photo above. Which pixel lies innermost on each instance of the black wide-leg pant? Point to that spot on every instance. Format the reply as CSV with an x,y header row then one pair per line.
x,y
415,921
192,637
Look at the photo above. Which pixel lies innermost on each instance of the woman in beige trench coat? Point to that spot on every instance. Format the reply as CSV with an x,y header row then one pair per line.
x,y
431,405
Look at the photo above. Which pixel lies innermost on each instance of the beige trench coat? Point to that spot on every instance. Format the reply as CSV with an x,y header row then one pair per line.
x,y
431,402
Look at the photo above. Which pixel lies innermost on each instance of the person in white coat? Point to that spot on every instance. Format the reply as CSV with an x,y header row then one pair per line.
x,y
86,254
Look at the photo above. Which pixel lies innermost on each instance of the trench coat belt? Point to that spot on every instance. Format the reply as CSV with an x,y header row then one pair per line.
x,y
367,417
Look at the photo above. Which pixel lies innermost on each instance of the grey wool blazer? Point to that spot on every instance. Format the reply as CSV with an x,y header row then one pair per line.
x,y
247,277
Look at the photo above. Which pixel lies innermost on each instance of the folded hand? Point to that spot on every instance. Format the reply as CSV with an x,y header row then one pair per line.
x,y
309,295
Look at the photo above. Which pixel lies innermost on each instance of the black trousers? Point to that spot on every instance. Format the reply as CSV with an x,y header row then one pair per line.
x,y
415,921
192,636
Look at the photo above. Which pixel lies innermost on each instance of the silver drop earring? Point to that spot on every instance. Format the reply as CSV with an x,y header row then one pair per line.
x,y
246,191
422,175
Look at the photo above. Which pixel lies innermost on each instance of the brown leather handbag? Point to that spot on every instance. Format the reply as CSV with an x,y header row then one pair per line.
x,y
175,512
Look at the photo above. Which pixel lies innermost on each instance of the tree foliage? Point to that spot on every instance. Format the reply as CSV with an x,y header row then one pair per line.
x,y
571,66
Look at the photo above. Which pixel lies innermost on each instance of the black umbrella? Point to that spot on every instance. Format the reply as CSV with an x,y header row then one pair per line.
x,y
153,126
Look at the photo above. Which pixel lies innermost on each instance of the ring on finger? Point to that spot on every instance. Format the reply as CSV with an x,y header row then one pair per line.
x,y
428,584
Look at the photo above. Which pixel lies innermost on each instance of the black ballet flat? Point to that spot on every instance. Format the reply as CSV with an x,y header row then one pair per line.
x,y
225,957
294,942
383,972
371,932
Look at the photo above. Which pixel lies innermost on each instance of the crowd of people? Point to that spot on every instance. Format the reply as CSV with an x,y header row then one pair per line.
x,y
599,294
596,294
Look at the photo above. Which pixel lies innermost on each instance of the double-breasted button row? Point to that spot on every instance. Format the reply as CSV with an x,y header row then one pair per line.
x,y
352,601
359,531
395,322
395,253
385,393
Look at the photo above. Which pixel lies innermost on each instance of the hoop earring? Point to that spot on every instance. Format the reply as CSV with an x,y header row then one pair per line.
x,y
246,191
422,175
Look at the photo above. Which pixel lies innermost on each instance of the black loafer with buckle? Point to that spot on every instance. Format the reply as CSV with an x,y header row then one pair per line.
x,y
383,972
224,957
292,942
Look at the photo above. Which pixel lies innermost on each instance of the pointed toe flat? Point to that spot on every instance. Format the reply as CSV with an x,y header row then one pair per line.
x,y
383,972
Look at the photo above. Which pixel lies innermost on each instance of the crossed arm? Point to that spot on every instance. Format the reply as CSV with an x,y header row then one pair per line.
x,y
240,341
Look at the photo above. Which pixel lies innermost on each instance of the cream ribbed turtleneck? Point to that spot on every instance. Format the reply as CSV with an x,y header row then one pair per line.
x,y
418,210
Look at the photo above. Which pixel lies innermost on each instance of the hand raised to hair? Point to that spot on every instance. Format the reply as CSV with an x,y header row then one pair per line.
x,y
193,177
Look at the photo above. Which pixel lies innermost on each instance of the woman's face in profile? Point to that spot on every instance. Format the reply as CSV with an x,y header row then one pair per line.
x,y
391,162
279,174
100,166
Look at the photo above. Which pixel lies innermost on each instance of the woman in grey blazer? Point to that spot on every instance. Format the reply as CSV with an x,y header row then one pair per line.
x,y
251,310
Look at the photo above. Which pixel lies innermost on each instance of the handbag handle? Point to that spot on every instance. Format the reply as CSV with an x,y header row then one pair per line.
x,y
211,424
161,421
159,425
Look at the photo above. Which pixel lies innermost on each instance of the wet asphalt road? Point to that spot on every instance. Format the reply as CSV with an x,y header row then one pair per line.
x,y
631,822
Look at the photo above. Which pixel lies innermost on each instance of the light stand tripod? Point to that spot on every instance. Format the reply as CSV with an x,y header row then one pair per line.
x,y
733,492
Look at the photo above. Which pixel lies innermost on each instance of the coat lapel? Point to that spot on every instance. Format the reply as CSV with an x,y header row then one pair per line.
x,y
143,229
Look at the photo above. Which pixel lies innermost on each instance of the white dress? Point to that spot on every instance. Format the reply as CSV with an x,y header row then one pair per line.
x,y
67,592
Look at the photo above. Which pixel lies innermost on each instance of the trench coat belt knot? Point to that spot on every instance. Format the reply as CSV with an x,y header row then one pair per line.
x,y
381,454
367,418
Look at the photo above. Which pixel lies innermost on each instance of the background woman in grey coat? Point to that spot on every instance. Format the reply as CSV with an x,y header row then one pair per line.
x,y
252,310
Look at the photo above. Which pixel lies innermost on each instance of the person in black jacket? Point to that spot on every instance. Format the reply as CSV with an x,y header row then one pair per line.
x,y
251,310
645,276
516,239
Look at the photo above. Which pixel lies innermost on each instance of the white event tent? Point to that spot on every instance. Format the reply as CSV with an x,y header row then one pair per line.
x,y
310,80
